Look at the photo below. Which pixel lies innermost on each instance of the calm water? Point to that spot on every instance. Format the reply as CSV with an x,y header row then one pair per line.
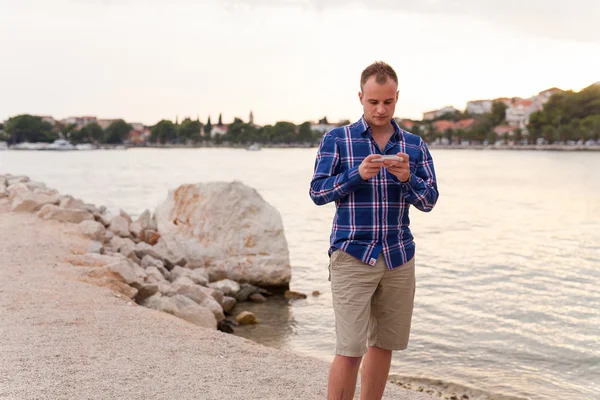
x,y
508,264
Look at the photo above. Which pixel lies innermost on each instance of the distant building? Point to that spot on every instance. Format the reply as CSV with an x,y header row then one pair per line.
x,y
105,123
501,130
405,123
322,126
219,130
479,106
137,126
504,100
543,97
518,113
48,119
443,125
429,115
464,124
80,122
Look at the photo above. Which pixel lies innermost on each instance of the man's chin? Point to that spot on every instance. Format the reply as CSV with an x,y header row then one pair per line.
x,y
380,121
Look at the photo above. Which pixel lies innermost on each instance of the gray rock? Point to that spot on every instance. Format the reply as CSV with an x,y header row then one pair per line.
x,y
155,274
50,211
228,303
28,201
147,289
132,274
143,249
70,202
17,179
149,261
196,293
227,286
96,247
215,294
93,229
136,230
246,290
183,307
257,298
119,226
126,216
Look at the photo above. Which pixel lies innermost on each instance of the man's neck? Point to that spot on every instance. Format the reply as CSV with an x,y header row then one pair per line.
x,y
382,130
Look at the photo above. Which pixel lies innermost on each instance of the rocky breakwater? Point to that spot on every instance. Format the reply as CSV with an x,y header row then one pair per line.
x,y
207,248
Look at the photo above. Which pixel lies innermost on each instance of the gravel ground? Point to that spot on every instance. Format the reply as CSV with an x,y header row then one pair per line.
x,y
61,338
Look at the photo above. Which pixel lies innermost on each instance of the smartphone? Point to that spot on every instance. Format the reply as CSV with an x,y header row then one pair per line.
x,y
390,157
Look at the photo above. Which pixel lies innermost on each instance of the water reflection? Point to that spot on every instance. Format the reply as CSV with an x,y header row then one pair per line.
x,y
276,322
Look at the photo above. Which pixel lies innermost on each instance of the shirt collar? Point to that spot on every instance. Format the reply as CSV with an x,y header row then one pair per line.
x,y
362,127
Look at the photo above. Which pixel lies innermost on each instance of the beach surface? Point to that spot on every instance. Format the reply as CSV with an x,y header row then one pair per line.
x,y
64,338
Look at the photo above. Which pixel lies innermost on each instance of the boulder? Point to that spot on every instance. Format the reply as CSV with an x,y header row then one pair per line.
x,y
226,286
144,249
106,278
126,216
93,229
290,295
247,290
228,304
119,226
182,307
96,248
230,229
257,298
149,261
50,211
196,275
196,293
17,179
25,200
70,202
246,318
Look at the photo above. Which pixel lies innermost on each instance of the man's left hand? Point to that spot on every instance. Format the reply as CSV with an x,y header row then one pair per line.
x,y
400,169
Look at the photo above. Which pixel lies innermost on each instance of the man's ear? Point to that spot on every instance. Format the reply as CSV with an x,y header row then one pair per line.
x,y
360,96
397,93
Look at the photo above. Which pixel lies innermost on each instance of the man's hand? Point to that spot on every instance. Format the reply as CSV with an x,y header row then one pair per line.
x,y
368,169
399,169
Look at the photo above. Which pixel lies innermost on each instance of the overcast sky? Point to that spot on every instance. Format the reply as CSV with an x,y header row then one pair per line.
x,y
293,60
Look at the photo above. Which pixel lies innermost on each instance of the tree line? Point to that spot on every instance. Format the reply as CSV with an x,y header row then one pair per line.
x,y
566,116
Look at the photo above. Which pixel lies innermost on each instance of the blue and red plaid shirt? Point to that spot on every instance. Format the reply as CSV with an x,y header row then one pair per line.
x,y
372,216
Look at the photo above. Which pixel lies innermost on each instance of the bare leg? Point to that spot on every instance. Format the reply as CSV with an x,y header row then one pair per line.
x,y
342,377
374,373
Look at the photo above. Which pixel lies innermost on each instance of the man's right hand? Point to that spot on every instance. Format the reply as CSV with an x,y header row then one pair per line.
x,y
368,169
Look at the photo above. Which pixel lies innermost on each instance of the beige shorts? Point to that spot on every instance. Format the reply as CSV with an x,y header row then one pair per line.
x,y
371,304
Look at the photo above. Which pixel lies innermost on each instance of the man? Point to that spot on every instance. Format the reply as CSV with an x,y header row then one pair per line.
x,y
372,265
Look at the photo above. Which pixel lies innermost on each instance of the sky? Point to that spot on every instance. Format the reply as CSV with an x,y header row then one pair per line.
x,y
286,60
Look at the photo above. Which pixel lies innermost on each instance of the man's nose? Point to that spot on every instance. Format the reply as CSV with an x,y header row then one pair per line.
x,y
380,109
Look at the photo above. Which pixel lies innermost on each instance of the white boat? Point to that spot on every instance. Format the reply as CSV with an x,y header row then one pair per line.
x,y
254,147
61,145
85,146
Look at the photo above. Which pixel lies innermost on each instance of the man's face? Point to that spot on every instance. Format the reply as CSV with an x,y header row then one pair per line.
x,y
379,101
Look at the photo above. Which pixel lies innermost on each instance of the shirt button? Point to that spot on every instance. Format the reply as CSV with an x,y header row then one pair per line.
x,y
384,199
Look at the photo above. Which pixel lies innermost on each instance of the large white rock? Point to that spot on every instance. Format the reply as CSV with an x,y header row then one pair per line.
x,y
230,229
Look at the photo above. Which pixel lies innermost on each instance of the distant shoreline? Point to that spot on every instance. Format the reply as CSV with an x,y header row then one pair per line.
x,y
432,146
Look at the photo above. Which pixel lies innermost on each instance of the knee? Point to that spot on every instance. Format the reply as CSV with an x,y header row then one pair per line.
x,y
350,361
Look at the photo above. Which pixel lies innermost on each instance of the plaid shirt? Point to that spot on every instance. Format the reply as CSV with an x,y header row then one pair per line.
x,y
372,216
